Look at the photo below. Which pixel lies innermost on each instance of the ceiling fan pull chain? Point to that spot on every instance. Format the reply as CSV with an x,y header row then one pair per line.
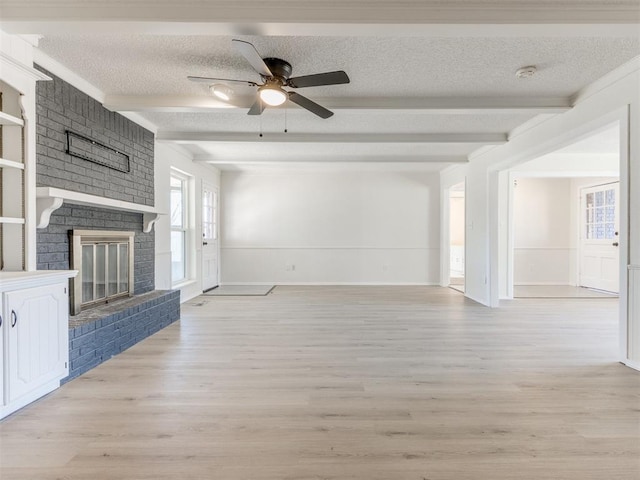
x,y
285,119
261,107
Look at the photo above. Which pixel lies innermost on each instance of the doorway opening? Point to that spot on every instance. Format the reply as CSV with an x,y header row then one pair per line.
x,y
565,229
457,236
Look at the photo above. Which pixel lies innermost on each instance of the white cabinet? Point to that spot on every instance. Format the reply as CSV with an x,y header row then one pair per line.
x,y
34,336
37,345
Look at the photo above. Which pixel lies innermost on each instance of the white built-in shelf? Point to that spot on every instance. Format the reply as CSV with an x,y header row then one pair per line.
x,y
49,199
11,164
11,220
6,119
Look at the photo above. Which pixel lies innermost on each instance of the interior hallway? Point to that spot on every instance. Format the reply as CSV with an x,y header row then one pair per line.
x,y
347,383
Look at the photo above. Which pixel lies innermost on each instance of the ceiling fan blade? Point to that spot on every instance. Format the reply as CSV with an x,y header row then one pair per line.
x,y
257,108
319,79
313,107
248,51
211,80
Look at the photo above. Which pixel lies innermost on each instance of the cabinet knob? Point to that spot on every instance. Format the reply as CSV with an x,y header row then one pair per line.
x,y
14,318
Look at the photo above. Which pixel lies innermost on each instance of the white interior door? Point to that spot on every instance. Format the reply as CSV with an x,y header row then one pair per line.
x,y
209,237
599,237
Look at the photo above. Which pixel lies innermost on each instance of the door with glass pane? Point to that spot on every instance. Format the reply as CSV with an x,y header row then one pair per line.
x,y
599,238
209,237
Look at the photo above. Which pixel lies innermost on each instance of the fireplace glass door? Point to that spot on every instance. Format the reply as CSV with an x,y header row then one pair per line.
x,y
105,271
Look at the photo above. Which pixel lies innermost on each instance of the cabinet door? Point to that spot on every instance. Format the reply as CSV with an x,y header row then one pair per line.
x,y
38,337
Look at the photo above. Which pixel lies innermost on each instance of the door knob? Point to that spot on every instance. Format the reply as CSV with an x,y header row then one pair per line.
x,y
615,244
205,243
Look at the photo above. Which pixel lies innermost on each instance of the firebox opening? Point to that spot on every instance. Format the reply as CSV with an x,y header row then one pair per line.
x,y
104,260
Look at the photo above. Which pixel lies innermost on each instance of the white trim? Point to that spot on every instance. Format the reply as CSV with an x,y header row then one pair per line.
x,y
19,280
10,121
337,284
433,105
4,163
277,137
511,241
22,68
333,162
564,174
15,220
626,323
184,283
249,247
544,248
49,199
631,364
187,229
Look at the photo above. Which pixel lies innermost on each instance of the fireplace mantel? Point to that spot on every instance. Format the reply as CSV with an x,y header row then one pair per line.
x,y
49,199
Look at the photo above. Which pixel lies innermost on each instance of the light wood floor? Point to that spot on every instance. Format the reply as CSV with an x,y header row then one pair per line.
x,y
347,383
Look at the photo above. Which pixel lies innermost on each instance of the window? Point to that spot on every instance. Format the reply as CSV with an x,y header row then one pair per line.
x,y
600,215
179,230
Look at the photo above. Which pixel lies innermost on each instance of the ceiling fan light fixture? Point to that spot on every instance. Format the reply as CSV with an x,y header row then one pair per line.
x,y
221,91
272,95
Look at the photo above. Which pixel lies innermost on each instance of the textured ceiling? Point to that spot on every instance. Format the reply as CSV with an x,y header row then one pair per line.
x,y
415,66
153,68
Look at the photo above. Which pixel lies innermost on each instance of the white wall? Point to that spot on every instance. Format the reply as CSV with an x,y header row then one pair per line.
x,y
339,227
166,158
543,247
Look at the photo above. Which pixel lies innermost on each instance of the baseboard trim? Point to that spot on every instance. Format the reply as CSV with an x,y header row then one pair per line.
x,y
336,284
631,364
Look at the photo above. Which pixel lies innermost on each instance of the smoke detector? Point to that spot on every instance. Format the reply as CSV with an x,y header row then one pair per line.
x,y
526,72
